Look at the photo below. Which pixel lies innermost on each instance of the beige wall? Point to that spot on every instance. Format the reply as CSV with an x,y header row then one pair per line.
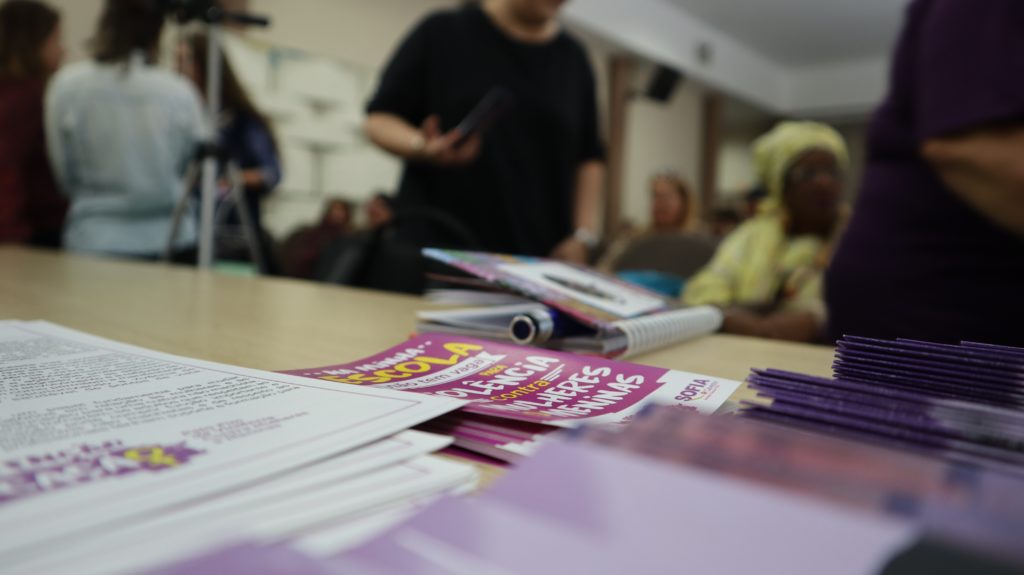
x,y
856,140
360,31
660,137
736,174
78,20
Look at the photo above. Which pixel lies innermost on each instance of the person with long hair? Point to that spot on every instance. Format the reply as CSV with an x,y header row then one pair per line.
x,y
673,204
31,210
246,137
674,211
121,134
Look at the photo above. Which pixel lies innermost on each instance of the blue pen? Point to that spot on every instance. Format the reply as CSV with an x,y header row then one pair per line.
x,y
537,326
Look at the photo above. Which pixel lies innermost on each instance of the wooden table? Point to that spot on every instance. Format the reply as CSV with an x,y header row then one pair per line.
x,y
276,324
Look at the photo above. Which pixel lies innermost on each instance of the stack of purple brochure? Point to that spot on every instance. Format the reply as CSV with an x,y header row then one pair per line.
x,y
678,492
964,403
576,507
973,507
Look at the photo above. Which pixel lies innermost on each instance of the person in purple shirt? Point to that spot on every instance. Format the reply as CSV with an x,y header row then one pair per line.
x,y
935,248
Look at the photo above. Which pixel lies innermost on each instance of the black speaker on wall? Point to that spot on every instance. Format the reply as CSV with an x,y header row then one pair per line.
x,y
663,84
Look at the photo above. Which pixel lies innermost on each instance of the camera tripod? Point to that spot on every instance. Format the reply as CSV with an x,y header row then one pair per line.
x,y
208,12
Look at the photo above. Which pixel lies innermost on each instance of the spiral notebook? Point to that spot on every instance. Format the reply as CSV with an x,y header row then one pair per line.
x,y
592,312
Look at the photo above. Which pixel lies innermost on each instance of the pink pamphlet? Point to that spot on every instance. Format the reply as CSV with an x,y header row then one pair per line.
x,y
528,384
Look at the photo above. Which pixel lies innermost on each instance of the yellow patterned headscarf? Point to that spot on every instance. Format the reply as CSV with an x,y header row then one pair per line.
x,y
759,262
777,151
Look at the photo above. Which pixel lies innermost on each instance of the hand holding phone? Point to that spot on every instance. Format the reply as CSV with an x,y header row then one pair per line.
x,y
445,149
461,145
496,103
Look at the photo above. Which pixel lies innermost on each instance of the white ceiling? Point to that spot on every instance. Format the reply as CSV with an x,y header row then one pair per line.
x,y
820,59
805,32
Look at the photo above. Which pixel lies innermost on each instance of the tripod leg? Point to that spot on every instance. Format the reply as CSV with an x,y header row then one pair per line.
x,y
252,234
180,209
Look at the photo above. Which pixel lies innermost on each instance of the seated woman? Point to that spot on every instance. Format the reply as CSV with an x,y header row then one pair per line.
x,y
670,250
304,247
31,210
121,132
767,275
935,249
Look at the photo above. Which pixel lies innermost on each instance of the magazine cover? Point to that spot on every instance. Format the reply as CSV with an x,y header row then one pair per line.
x,y
593,298
528,384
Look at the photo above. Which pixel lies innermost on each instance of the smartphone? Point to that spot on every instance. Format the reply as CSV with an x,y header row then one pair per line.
x,y
494,104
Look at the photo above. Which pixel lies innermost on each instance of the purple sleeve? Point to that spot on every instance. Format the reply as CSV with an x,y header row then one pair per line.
x,y
970,71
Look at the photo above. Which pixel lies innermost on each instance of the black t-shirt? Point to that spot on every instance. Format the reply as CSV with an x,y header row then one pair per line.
x,y
518,196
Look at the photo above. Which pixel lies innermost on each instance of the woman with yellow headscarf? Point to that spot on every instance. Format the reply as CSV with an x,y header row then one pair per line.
x,y
767,274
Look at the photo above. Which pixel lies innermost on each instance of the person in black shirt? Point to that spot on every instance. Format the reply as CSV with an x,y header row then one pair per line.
x,y
529,184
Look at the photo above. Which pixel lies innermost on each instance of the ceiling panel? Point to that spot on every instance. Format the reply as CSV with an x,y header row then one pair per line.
x,y
805,32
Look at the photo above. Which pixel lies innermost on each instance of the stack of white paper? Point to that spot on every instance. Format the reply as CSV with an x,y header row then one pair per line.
x,y
108,449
